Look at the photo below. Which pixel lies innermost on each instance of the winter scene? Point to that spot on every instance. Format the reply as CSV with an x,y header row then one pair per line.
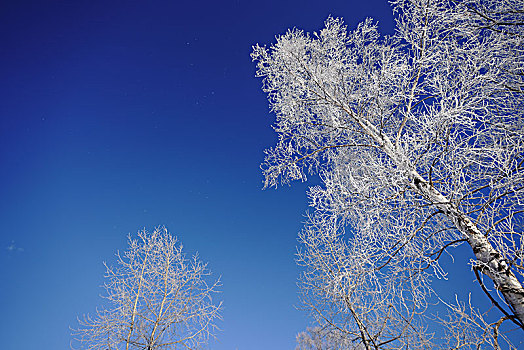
x,y
274,175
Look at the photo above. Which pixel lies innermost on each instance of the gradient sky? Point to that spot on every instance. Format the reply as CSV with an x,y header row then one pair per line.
x,y
120,115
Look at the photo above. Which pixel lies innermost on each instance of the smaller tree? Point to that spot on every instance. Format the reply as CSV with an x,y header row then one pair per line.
x,y
156,299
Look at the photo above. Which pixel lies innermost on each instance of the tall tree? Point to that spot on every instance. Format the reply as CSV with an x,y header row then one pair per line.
x,y
418,140
156,299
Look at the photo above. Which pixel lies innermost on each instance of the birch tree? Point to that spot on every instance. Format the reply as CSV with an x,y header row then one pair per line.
x,y
418,141
156,298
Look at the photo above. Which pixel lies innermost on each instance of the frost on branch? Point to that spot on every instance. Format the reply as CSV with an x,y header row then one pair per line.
x,y
418,139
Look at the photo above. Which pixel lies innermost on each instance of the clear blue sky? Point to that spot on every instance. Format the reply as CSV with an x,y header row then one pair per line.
x,y
120,115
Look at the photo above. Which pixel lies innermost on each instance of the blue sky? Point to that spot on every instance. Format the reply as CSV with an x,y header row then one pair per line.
x,y
120,115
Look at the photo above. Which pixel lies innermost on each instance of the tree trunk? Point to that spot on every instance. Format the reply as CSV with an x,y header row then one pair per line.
x,y
491,262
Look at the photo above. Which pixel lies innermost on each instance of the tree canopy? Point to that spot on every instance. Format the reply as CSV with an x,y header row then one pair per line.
x,y
156,298
418,140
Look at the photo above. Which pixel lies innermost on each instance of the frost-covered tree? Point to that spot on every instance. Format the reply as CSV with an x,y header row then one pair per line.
x,y
418,140
156,298
317,338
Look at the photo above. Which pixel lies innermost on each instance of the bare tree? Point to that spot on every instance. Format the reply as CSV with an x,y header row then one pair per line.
x,y
156,299
418,140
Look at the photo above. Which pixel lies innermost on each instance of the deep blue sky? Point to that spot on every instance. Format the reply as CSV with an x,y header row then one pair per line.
x,y
120,115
